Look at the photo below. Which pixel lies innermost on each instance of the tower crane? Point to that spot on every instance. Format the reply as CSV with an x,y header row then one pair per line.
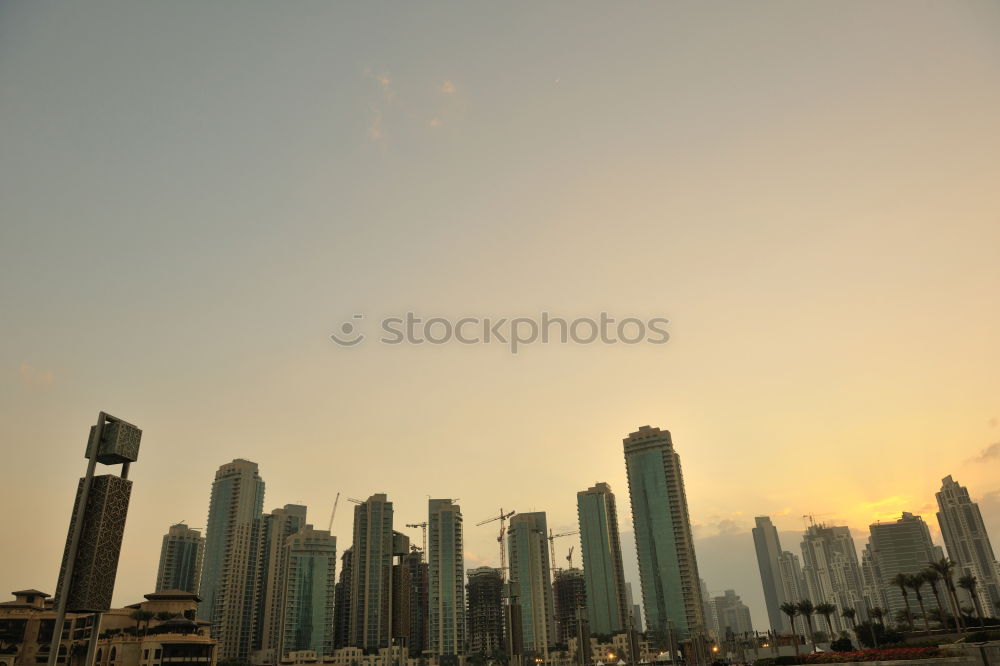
x,y
423,527
552,543
333,513
569,556
502,517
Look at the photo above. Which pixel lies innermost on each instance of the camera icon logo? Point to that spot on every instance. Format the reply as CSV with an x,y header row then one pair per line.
x,y
349,334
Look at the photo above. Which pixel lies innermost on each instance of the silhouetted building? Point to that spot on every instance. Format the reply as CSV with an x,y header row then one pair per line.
x,y
180,559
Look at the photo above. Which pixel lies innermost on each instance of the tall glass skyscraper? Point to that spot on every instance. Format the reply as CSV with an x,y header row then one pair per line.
x,y
181,558
668,569
232,558
310,581
903,546
446,571
277,527
603,573
528,555
371,570
967,542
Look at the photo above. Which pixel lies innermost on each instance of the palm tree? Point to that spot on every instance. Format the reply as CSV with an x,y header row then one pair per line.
x,y
933,578
141,616
827,609
901,580
806,610
915,582
850,614
791,610
877,614
944,567
968,582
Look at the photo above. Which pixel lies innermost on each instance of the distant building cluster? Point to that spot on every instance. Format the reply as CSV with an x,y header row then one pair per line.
x,y
272,592
902,576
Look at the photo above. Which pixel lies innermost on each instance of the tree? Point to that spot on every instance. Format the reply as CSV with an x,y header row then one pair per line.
x,y
968,582
826,609
933,578
945,568
791,610
876,614
850,614
141,617
915,582
901,580
806,610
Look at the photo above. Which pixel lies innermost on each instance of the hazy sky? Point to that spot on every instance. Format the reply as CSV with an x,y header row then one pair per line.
x,y
194,196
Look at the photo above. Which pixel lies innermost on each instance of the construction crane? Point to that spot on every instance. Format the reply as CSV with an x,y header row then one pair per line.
x,y
502,517
569,556
333,513
552,543
423,527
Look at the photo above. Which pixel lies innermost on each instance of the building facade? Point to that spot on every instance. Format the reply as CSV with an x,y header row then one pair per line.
x,y
446,570
181,558
668,568
967,542
831,570
277,527
730,616
484,612
570,597
900,547
603,572
232,558
528,556
371,568
310,580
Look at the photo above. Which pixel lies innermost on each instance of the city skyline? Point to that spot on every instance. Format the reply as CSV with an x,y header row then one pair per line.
x,y
192,205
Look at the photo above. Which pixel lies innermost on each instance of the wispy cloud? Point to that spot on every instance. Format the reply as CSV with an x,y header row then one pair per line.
x,y
32,376
448,88
435,122
991,452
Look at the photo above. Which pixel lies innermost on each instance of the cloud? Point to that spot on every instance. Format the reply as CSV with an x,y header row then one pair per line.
x,y
991,452
435,122
32,376
386,83
448,88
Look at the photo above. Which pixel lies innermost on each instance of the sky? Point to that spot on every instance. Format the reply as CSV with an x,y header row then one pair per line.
x,y
195,196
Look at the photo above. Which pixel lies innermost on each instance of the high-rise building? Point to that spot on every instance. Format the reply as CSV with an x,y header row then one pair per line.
x,y
484,613
668,568
793,587
570,596
603,573
419,593
310,580
768,547
528,556
634,609
371,567
232,558
342,603
903,546
967,542
446,568
180,559
277,527
831,571
730,615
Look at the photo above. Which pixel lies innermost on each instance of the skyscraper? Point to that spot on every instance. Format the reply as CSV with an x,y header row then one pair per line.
x,y
485,612
903,546
570,596
966,540
668,569
419,588
528,555
780,574
277,527
446,569
342,604
730,615
603,573
180,559
793,586
310,580
232,558
371,567
831,571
